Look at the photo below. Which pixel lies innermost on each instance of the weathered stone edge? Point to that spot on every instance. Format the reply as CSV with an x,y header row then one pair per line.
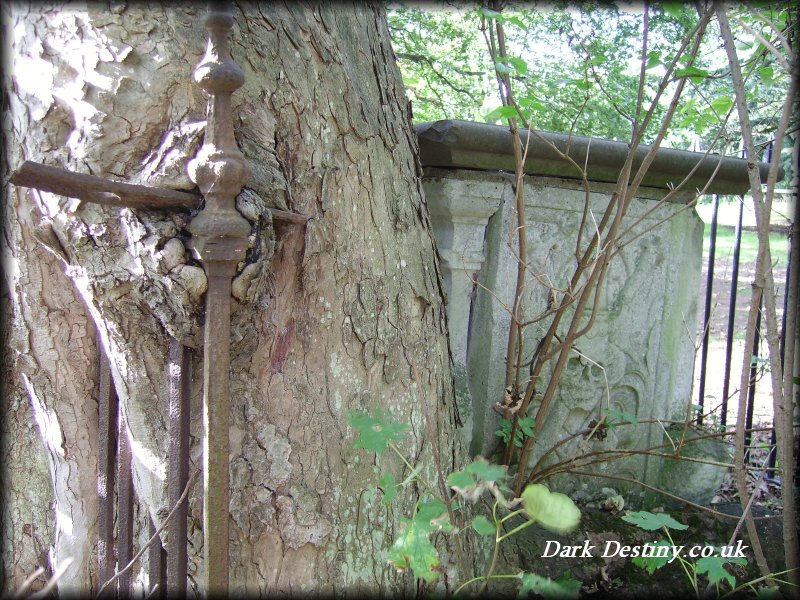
x,y
472,145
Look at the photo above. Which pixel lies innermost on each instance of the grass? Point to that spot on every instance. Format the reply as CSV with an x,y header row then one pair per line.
x,y
726,238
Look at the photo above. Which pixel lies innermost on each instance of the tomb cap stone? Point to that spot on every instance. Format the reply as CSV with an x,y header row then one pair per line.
x,y
482,146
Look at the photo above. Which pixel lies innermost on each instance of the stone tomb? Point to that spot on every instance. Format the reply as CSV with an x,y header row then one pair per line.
x,y
639,356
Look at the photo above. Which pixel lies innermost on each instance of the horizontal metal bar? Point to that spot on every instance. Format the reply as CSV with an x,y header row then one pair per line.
x,y
99,190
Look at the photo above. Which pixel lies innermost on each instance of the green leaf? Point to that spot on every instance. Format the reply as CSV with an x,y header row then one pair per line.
x,y
488,13
653,521
414,550
552,510
653,563
460,479
501,112
768,593
375,432
388,484
503,68
433,516
673,9
653,59
767,75
713,567
722,104
693,72
486,471
483,526
476,477
519,64
549,588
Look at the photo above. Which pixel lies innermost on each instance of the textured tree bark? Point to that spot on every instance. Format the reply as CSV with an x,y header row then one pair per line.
x,y
326,318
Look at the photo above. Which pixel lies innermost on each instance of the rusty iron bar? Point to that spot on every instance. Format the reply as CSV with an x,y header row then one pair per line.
x,y
124,507
106,469
156,565
219,239
96,189
180,379
90,188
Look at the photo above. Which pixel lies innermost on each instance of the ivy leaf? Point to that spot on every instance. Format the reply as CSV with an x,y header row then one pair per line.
x,y
388,484
552,510
653,521
460,479
652,563
433,516
375,432
476,477
713,567
483,526
486,471
549,588
414,550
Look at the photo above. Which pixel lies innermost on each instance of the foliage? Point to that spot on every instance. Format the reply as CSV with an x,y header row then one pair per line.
x,y
524,429
552,510
414,549
653,521
576,68
711,563
564,587
655,76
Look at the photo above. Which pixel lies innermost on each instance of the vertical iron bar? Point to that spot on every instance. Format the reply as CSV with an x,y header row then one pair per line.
x,y
106,475
751,386
732,314
712,249
219,239
157,565
216,418
179,375
124,508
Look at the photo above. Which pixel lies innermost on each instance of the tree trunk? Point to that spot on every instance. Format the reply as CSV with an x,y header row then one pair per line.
x,y
327,319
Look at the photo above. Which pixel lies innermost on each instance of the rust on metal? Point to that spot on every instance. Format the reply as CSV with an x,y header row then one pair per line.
x,y
96,189
90,188
180,380
124,508
107,432
220,241
156,566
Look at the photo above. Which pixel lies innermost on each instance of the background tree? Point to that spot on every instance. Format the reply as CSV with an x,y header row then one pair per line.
x,y
330,318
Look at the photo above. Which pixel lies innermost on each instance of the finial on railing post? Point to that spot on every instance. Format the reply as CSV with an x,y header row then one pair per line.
x,y
219,238
220,170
